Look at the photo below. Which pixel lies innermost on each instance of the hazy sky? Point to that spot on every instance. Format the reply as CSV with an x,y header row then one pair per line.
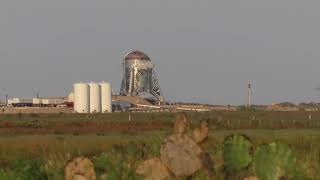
x,y
204,51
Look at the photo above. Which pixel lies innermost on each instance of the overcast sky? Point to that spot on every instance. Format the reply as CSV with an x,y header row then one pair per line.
x,y
204,51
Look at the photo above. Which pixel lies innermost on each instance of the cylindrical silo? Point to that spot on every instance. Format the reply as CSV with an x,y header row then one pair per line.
x,y
106,97
95,97
81,98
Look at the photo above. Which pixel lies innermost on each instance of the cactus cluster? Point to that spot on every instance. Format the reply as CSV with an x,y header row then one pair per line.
x,y
180,154
273,161
270,161
237,153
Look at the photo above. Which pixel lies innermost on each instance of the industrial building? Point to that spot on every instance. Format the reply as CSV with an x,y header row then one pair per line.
x,y
139,78
39,102
140,92
140,88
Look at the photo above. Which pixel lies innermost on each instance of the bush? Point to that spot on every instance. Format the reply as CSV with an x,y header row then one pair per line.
x,y
115,164
7,175
28,170
133,151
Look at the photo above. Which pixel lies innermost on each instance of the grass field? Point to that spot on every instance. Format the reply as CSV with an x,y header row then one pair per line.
x,y
118,122
45,142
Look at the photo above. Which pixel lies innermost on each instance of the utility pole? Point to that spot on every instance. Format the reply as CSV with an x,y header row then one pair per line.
x,y
249,95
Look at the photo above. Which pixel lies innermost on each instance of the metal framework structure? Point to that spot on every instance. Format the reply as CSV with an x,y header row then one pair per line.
x,y
139,78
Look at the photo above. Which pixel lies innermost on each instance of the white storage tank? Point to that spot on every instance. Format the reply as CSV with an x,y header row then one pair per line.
x,y
106,97
81,98
95,97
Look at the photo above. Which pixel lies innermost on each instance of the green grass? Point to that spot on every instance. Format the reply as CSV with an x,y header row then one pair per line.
x,y
58,148
79,124
62,137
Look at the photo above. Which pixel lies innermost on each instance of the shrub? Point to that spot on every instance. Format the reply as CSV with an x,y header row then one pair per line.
x,y
133,151
28,170
101,163
7,175
54,164
113,165
155,145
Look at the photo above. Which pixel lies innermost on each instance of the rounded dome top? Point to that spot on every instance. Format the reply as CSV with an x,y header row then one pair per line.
x,y
137,55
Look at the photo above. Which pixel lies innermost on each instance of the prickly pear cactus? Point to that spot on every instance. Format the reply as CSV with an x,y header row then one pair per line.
x,y
251,178
80,168
237,153
153,169
273,161
201,133
180,124
180,154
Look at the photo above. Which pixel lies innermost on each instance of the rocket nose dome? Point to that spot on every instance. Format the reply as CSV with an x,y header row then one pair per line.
x,y
137,55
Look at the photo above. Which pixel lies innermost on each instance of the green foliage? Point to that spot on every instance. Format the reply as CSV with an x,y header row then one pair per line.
x,y
237,155
155,145
28,170
7,175
53,173
115,164
201,175
241,119
101,163
53,167
133,151
126,144
120,170
273,161
251,109
28,123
